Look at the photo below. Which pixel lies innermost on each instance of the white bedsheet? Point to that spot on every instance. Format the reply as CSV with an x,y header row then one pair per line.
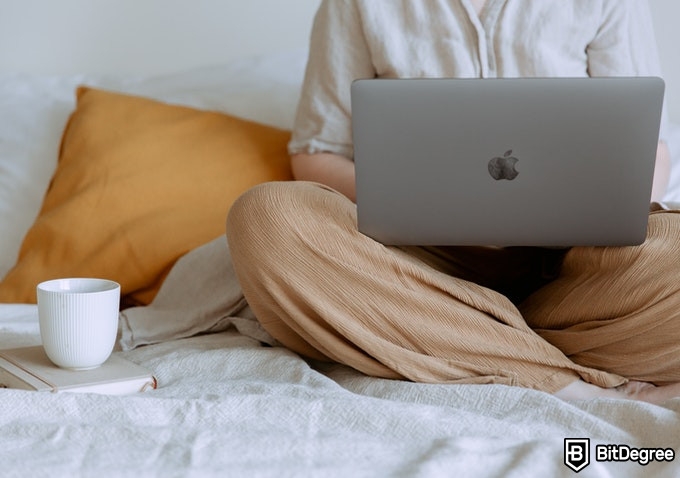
x,y
228,406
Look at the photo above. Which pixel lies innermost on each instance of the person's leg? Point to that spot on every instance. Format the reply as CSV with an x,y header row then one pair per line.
x,y
325,290
515,272
618,309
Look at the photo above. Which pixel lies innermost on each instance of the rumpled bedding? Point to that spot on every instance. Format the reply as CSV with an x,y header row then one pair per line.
x,y
230,402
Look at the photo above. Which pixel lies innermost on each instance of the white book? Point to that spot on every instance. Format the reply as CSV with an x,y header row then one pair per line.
x,y
29,368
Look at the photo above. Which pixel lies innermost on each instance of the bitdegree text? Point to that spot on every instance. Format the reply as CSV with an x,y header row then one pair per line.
x,y
626,453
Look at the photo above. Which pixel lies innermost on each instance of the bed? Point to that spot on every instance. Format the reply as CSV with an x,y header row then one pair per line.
x,y
229,401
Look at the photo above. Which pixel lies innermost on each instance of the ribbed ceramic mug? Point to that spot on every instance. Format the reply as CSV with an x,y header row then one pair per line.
x,y
78,321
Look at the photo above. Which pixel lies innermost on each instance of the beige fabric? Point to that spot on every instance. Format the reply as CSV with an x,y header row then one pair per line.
x,y
617,309
328,292
200,295
509,38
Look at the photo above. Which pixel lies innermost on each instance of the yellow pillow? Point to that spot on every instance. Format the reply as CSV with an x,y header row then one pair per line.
x,y
139,183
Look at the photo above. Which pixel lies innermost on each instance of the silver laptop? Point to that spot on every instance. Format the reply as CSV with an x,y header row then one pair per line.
x,y
505,162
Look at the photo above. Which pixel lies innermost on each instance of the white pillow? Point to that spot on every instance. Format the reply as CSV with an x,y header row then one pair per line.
x,y
35,110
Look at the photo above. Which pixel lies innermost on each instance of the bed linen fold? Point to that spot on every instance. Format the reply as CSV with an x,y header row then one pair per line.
x,y
201,294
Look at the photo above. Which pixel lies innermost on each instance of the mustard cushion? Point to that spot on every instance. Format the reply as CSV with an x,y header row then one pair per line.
x,y
139,183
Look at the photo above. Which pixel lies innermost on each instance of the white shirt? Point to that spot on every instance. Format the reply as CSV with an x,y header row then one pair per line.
x,y
447,38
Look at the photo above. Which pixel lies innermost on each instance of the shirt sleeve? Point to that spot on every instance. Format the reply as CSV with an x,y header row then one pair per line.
x,y
625,44
338,54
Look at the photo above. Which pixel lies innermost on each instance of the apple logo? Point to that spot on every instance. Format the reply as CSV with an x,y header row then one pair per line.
x,y
503,167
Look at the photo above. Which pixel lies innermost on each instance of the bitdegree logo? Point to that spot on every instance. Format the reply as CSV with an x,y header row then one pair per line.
x,y
643,456
577,453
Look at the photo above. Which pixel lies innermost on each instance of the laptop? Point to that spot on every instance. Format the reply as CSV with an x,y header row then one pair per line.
x,y
553,162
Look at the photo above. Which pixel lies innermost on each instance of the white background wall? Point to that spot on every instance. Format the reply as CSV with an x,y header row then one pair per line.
x,y
145,36
158,36
666,15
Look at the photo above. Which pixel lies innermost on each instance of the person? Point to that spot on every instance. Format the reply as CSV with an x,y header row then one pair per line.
x,y
579,323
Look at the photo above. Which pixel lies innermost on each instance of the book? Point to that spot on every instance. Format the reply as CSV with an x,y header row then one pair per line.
x,y
29,368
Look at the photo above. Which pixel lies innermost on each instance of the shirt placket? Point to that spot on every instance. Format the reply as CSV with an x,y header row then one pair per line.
x,y
485,25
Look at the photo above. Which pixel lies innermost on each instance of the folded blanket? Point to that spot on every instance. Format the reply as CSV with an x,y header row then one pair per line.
x,y
201,294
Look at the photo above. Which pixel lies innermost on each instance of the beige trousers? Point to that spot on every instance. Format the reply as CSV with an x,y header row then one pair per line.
x,y
519,316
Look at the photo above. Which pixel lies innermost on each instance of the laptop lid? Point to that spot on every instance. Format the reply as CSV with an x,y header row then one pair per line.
x,y
505,162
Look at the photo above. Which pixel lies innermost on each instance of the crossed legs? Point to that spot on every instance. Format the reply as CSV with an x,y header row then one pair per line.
x,y
328,292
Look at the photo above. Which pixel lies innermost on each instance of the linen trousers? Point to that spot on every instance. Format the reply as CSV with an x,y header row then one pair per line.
x,y
531,317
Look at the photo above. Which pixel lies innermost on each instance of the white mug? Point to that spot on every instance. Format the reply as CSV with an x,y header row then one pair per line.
x,y
78,321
